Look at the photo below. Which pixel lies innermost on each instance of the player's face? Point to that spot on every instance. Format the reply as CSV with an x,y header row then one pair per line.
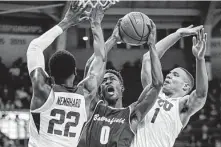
x,y
111,87
175,81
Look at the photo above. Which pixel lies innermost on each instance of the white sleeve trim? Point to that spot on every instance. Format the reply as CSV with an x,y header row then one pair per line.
x,y
35,56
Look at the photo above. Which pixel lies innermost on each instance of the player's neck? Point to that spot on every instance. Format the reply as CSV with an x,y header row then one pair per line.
x,y
172,95
69,82
111,104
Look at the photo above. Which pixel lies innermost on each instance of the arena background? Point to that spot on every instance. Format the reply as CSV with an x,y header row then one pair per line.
x,y
22,21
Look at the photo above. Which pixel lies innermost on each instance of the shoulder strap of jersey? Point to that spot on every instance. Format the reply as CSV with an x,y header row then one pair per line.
x,y
95,108
129,119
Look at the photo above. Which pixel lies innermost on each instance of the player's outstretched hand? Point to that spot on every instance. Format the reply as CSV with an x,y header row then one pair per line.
x,y
188,31
152,37
96,14
199,45
75,14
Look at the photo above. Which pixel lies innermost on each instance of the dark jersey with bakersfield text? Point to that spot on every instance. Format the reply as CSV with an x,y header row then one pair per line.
x,y
108,127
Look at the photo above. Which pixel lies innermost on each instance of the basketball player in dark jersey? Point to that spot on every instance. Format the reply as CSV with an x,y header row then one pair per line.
x,y
115,127
58,111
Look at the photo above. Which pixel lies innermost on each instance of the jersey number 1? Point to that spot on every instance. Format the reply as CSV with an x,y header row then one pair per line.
x,y
75,118
155,115
105,132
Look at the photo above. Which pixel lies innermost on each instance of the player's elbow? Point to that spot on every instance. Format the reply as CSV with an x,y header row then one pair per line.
x,y
34,42
157,84
37,84
32,46
201,93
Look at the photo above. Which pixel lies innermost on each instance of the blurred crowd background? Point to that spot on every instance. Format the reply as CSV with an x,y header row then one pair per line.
x,y
204,128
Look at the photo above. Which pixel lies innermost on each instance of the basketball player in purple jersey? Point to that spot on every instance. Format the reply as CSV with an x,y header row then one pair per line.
x,y
115,127
58,111
174,107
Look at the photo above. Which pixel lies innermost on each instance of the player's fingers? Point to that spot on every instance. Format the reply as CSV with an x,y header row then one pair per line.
x,y
189,27
86,13
202,34
84,18
80,7
198,27
153,26
205,37
198,35
75,4
195,30
203,50
80,3
108,6
119,22
83,9
194,40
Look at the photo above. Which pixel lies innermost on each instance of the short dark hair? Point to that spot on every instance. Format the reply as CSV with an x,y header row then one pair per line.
x,y
191,79
116,73
62,64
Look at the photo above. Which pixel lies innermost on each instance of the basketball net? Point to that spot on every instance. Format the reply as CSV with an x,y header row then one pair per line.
x,y
103,3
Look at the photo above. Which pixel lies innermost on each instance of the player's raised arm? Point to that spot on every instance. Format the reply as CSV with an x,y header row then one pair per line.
x,y
98,64
35,57
150,92
198,97
162,46
111,41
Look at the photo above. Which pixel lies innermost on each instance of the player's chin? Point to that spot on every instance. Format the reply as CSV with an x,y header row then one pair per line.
x,y
112,97
165,87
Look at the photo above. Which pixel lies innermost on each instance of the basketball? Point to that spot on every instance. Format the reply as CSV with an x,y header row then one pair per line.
x,y
134,29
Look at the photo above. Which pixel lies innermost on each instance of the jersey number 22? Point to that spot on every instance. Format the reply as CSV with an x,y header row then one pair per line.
x,y
70,115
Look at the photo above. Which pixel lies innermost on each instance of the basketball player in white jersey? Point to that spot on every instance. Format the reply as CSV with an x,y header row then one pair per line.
x,y
174,107
58,110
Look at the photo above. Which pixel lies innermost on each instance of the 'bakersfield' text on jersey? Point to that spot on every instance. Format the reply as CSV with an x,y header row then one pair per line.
x,y
108,127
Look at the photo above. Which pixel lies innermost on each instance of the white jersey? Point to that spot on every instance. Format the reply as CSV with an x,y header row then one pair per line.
x,y
59,122
161,126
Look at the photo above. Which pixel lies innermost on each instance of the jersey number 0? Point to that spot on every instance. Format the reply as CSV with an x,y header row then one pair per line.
x,y
70,115
105,132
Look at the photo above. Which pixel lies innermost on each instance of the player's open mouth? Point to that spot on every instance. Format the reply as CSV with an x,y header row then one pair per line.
x,y
166,81
110,90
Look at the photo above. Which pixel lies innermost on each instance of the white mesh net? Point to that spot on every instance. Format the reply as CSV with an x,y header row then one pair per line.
x,y
103,3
